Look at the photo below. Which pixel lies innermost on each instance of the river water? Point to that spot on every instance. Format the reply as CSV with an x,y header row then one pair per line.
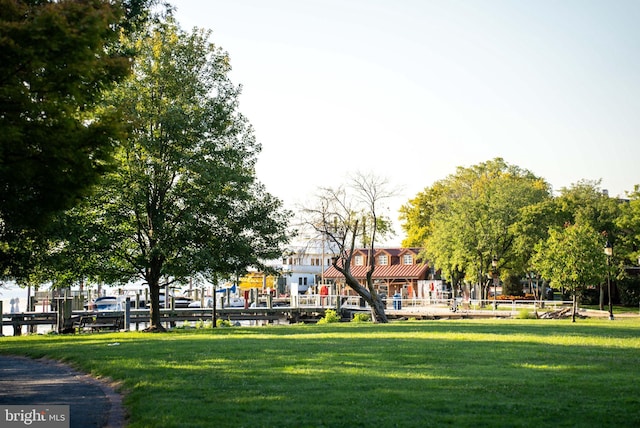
x,y
14,299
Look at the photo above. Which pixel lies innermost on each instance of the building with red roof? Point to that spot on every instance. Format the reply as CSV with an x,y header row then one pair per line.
x,y
397,270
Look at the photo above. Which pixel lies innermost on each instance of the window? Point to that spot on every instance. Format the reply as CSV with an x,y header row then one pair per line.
x,y
359,261
383,260
407,259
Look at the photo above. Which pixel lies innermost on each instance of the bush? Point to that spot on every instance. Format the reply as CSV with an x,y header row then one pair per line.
x,y
330,316
361,317
512,286
590,296
203,324
629,291
223,323
525,314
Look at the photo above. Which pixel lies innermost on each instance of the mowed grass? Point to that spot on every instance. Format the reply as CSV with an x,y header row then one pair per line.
x,y
524,373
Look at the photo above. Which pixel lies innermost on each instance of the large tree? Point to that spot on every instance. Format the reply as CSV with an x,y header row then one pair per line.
x,y
585,202
56,59
348,216
184,199
626,250
572,257
467,219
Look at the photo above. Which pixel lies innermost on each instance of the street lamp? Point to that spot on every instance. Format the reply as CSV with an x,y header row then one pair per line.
x,y
608,251
494,265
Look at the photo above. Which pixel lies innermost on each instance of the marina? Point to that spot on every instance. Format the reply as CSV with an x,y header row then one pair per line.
x,y
305,309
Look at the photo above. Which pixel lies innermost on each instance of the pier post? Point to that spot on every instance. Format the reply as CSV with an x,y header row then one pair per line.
x,y
64,312
127,313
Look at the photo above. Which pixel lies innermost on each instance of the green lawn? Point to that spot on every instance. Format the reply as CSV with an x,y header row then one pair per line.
x,y
525,373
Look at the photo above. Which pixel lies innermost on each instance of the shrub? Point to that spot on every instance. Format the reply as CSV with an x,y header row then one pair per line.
x,y
330,316
512,286
204,324
361,317
524,314
223,323
629,289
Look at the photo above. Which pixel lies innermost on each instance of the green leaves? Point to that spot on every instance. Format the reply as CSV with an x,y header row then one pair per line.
x,y
572,257
184,199
54,66
467,218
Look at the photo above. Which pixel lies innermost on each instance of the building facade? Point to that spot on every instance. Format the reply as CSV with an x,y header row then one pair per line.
x,y
397,270
302,267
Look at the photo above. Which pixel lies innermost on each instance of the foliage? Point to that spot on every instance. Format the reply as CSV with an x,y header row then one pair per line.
x,y
586,203
512,286
201,324
524,314
497,209
627,246
468,219
474,373
361,317
629,289
56,59
330,316
184,200
572,258
222,323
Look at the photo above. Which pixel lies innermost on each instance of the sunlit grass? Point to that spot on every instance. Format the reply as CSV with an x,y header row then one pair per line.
x,y
416,373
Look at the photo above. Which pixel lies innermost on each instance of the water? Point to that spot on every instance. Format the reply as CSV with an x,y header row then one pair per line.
x,y
9,292
14,299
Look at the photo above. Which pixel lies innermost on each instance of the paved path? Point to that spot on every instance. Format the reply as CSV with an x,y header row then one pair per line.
x,y
25,381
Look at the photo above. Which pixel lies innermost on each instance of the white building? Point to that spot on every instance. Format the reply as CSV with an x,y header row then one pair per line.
x,y
303,265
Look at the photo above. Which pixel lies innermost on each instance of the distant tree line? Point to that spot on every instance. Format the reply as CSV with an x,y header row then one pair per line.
x,y
496,216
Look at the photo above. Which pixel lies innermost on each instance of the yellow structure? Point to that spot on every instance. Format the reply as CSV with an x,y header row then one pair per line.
x,y
258,280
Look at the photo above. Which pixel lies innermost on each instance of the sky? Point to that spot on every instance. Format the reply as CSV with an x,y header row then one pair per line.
x,y
412,89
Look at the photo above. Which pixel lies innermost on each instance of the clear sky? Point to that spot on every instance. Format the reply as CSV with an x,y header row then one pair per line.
x,y
411,89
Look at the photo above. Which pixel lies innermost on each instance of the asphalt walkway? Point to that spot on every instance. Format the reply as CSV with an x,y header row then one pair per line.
x,y
92,403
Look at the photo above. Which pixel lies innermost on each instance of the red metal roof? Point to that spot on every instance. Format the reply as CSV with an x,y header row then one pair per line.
x,y
418,271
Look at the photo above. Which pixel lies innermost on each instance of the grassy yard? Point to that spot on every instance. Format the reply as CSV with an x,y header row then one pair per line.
x,y
525,373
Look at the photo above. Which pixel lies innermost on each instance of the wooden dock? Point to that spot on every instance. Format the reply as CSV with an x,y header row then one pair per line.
x,y
139,318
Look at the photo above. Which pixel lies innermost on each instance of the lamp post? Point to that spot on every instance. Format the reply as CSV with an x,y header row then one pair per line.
x,y
608,251
494,265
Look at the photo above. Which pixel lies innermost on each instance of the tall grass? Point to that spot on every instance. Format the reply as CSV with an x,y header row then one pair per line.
x,y
527,373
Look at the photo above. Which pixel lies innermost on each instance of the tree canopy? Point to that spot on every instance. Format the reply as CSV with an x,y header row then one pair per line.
x,y
56,60
183,200
572,257
467,219
496,209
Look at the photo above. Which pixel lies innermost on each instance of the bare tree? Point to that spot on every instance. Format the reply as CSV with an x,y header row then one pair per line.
x,y
348,215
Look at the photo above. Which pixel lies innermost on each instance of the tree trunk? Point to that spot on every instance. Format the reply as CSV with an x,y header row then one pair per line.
x,y
378,314
601,300
575,307
154,307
